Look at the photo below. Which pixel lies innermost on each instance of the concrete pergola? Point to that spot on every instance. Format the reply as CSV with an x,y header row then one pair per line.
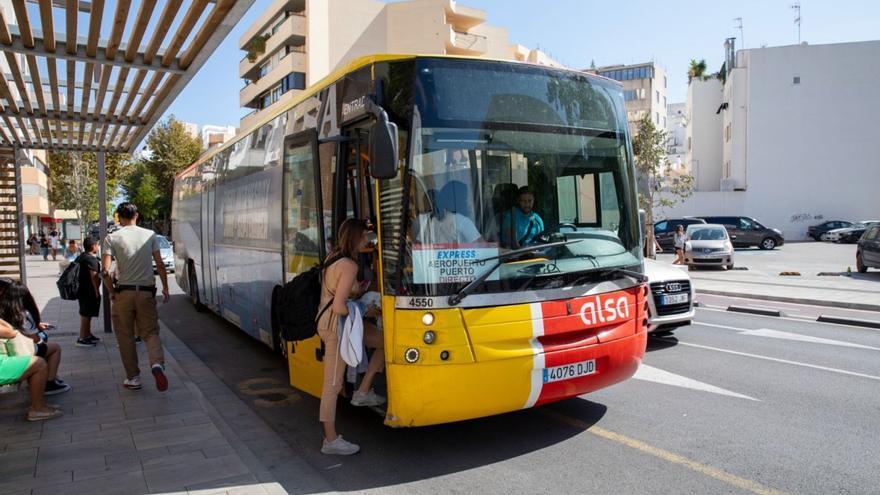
x,y
94,88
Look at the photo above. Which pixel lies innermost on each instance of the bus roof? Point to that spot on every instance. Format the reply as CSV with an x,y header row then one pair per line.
x,y
351,67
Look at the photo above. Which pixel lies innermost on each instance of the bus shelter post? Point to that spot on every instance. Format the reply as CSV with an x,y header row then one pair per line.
x,y
102,234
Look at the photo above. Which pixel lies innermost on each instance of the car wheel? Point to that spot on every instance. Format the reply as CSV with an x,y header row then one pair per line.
x,y
859,265
691,268
194,290
730,266
768,244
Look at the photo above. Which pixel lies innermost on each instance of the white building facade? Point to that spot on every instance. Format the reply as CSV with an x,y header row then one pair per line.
x,y
794,141
676,137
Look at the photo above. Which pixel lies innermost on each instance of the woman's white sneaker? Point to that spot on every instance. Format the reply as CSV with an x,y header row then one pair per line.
x,y
339,447
367,399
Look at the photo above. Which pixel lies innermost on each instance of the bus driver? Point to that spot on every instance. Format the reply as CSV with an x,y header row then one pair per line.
x,y
521,225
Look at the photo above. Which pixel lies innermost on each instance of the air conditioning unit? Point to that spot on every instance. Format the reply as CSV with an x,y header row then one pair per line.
x,y
728,184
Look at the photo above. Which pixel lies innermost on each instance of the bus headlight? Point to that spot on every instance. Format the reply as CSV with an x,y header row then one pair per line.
x,y
428,319
411,355
429,337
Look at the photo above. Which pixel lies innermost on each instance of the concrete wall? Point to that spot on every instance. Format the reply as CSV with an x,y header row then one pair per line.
x,y
704,155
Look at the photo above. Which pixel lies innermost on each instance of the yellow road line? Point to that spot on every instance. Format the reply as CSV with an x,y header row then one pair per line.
x,y
666,455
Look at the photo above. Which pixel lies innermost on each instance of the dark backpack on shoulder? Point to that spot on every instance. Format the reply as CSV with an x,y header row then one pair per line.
x,y
296,304
68,282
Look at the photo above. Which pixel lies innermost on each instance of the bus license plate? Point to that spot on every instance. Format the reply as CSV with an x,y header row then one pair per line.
x,y
567,371
674,299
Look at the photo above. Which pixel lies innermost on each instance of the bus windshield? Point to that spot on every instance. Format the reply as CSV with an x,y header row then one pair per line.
x,y
505,157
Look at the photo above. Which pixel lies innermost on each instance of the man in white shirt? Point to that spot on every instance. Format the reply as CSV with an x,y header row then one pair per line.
x,y
448,223
134,296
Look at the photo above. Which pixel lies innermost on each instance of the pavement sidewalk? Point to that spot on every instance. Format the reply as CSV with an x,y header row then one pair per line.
x,y
197,437
759,276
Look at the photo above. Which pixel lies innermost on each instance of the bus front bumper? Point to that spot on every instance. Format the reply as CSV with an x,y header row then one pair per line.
x,y
424,395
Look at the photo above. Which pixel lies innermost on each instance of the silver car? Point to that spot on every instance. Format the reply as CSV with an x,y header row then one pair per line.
x,y
671,298
166,251
708,245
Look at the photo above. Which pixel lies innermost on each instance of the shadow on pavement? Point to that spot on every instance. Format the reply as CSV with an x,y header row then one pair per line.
x,y
660,342
870,276
388,456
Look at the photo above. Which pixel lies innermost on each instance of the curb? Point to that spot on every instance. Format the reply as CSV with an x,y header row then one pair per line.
x,y
793,300
754,311
176,352
848,321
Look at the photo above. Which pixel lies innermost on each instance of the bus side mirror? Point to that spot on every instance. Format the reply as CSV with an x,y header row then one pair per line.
x,y
383,147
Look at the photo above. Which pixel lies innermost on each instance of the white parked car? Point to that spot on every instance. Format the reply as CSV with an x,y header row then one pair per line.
x,y
166,250
708,245
671,297
836,234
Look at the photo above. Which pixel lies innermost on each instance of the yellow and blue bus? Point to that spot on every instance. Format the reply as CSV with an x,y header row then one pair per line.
x,y
439,153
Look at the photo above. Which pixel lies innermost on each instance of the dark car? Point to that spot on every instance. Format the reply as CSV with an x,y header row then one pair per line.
x,y
816,231
748,232
664,230
868,250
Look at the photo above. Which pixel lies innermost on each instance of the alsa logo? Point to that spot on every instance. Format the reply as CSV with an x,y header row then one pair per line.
x,y
604,310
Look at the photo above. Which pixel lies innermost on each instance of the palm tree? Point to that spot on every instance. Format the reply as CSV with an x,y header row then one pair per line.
x,y
697,70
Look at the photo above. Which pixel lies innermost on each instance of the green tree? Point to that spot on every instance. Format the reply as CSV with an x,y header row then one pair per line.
x,y
697,70
73,181
171,149
140,188
658,187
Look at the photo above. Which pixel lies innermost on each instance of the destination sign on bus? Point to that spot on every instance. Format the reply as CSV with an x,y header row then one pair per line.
x,y
451,263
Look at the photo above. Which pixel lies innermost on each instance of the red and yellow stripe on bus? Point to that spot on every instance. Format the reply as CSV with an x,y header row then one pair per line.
x,y
496,357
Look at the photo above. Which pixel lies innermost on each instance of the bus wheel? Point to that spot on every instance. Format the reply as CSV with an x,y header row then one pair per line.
x,y
278,342
194,289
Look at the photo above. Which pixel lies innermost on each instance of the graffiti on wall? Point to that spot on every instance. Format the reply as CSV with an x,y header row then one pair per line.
x,y
805,217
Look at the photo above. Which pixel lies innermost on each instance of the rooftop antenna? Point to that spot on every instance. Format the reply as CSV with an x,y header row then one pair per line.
x,y
742,39
797,18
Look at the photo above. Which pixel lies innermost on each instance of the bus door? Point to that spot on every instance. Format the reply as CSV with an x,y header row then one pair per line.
x,y
303,222
354,193
206,280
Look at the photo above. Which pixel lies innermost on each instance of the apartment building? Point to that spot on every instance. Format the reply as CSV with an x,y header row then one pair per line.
x,y
789,137
214,135
295,43
644,90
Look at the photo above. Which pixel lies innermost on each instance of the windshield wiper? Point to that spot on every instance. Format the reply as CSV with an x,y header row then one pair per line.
x,y
638,277
467,289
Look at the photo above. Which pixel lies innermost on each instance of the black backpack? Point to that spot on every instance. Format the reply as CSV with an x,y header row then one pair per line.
x,y
68,282
296,304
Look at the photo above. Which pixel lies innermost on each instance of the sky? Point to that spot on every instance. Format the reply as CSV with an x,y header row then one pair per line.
x,y
577,32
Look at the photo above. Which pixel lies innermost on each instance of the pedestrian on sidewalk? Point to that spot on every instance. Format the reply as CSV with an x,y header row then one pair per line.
x,y
18,308
70,254
54,244
134,295
678,241
33,244
89,296
33,369
44,247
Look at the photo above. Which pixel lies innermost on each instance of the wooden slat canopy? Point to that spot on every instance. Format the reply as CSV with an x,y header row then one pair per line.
x,y
101,86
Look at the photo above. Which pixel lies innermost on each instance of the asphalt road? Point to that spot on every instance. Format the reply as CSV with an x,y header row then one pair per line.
x,y
734,403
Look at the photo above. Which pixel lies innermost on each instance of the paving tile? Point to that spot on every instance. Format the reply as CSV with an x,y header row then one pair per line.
x,y
17,460
208,444
166,478
175,436
104,446
122,484
173,459
247,482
